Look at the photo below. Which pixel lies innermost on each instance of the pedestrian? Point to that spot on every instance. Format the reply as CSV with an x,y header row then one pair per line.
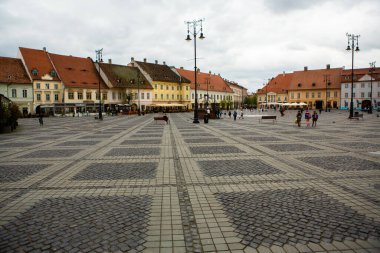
x,y
229,114
315,118
41,120
307,118
320,110
298,118
235,115
241,115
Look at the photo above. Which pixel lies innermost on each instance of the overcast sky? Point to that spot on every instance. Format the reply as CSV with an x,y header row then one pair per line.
x,y
246,41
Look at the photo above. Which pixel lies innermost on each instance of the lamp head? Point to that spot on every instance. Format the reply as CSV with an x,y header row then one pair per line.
x,y
188,37
201,37
348,48
357,49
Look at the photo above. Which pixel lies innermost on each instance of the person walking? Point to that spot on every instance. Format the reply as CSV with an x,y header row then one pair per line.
x,y
307,118
315,118
41,120
229,114
235,115
298,118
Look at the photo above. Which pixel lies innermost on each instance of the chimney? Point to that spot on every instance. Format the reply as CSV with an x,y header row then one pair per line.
x,y
209,72
44,48
145,60
155,61
328,66
132,58
164,63
109,61
305,68
181,67
283,73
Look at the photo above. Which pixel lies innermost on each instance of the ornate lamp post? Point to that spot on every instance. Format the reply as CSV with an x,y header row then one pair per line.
x,y
99,59
326,78
194,24
352,38
371,70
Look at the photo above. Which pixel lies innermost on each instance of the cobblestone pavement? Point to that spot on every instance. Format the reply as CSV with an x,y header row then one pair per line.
x,y
129,184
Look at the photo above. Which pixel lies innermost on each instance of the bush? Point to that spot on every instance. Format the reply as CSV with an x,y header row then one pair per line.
x,y
9,114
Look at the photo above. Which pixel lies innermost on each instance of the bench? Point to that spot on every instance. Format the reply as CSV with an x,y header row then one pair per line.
x,y
272,117
165,118
356,116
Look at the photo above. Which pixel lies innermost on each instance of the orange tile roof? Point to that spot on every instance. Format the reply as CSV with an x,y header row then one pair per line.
x,y
278,84
12,70
39,60
77,72
216,82
359,73
315,79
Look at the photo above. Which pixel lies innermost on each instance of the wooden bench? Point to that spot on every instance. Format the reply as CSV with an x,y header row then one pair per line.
x,y
356,116
165,118
272,117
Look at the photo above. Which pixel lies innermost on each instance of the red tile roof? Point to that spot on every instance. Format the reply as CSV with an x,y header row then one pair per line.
x,y
359,73
278,84
39,60
12,70
160,72
215,82
315,79
77,72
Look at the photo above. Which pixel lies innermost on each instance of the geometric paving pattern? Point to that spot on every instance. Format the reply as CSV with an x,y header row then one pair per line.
x,y
204,140
359,145
215,150
141,141
341,163
237,167
290,147
51,153
261,138
114,171
13,173
133,152
277,217
79,224
78,143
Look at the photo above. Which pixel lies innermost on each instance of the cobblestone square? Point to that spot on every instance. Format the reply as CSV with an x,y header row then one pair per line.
x,y
129,184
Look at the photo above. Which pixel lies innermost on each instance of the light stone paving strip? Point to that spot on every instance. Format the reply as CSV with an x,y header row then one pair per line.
x,y
197,202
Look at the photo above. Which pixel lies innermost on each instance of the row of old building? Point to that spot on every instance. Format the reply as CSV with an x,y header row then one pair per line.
x,y
323,88
38,80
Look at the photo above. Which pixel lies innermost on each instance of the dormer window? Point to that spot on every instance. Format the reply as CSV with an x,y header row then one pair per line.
x,y
299,85
313,84
53,73
34,72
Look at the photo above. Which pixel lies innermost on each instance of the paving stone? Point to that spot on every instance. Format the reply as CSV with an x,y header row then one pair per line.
x,y
84,222
51,153
215,150
303,209
290,147
203,140
13,173
133,152
341,163
141,141
78,143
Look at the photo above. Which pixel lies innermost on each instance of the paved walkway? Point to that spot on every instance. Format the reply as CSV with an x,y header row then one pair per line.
x,y
128,184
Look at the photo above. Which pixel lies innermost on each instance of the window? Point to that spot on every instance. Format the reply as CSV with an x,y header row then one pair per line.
x,y
162,87
148,96
88,95
217,97
260,99
46,86
38,97
346,85
307,94
56,86
172,96
56,97
362,85
200,96
362,94
187,87
104,96
192,95
38,86
354,85
177,97
328,94
96,95
162,96
346,95
177,87
369,94
167,96
14,93
80,95
155,96
120,95
47,97
353,95
173,87
319,94
335,94
24,93
298,95
312,95
53,73
292,95
187,97
34,72
180,97
155,86
142,95
71,95
167,87
136,96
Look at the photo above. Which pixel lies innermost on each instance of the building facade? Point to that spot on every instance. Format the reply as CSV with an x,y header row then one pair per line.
x,y
15,84
275,91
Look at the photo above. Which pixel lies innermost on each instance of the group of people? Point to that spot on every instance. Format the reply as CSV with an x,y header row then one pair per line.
x,y
308,116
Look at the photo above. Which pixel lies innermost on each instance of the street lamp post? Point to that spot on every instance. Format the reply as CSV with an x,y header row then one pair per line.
x,y
99,59
138,93
195,24
371,70
326,78
352,38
